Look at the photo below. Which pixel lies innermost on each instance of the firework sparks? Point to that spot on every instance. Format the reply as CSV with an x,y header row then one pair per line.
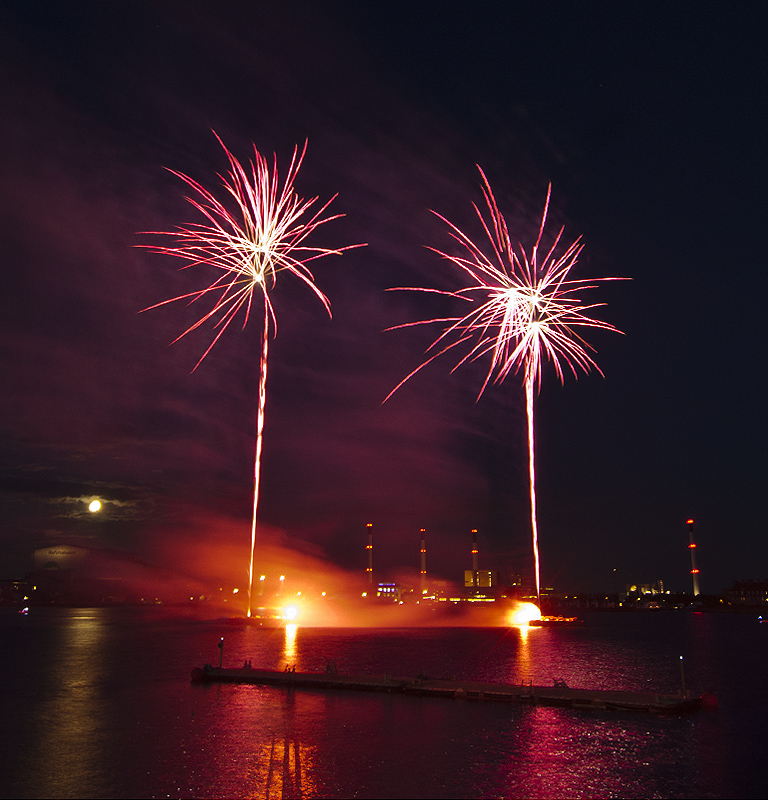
x,y
525,310
257,231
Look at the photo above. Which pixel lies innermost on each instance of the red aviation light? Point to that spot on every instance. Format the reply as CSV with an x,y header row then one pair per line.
x,y
692,544
694,572
689,522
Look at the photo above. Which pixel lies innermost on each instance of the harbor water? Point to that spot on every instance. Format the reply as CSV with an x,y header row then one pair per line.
x,y
99,703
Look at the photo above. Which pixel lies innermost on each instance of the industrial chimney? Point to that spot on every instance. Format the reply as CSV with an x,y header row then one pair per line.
x,y
423,562
692,548
369,548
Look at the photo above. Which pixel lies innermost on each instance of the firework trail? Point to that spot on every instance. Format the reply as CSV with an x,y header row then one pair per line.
x,y
525,310
257,231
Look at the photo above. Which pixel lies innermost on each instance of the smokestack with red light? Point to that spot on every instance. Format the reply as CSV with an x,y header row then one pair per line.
x,y
692,548
423,561
474,552
369,548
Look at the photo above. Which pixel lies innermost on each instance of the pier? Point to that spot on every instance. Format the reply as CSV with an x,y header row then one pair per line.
x,y
522,694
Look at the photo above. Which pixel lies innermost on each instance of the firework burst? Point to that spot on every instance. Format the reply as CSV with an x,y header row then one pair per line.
x,y
525,311
257,231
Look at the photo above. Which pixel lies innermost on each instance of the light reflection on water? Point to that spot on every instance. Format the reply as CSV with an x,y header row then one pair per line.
x,y
289,647
523,670
64,756
102,706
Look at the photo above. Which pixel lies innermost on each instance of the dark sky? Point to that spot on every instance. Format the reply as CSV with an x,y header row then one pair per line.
x,y
648,119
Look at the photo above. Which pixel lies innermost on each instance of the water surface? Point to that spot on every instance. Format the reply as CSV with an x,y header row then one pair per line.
x,y
98,703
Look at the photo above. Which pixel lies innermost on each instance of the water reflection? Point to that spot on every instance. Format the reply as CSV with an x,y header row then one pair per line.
x,y
520,666
104,708
284,769
253,743
289,645
524,657
66,756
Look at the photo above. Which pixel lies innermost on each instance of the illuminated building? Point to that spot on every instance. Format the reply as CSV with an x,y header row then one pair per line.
x,y
389,591
749,593
480,579
476,578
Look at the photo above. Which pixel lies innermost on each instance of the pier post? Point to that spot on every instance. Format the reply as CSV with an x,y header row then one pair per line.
x,y
682,675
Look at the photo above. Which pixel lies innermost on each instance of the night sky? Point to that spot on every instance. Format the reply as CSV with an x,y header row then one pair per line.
x,y
648,119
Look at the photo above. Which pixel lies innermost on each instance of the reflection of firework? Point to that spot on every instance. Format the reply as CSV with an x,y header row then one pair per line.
x,y
246,247
524,310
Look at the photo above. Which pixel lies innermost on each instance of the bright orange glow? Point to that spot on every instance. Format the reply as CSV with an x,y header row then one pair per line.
x,y
691,545
694,572
523,613
291,613
94,506
689,522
